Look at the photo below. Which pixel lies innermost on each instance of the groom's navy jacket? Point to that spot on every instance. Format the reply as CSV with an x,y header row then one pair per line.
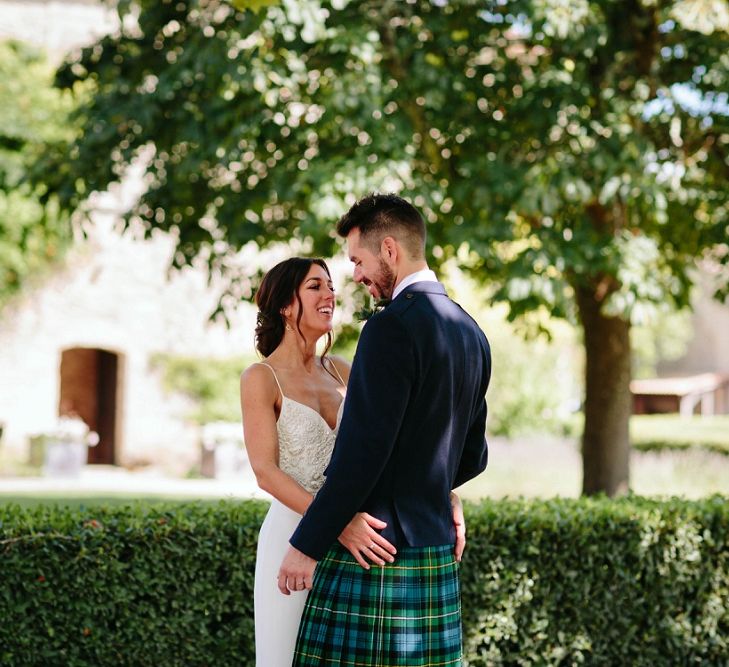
x,y
413,426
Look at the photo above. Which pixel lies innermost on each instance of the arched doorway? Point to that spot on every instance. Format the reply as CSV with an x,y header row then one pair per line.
x,y
89,389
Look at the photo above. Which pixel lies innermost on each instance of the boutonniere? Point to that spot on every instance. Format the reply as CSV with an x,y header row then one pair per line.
x,y
365,314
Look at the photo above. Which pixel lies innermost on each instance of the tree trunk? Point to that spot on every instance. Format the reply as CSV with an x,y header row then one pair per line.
x,y
605,440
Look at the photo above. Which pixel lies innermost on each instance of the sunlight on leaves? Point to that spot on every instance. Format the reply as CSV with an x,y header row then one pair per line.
x,y
704,16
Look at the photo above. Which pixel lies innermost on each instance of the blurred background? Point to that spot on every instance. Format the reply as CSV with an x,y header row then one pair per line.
x,y
155,159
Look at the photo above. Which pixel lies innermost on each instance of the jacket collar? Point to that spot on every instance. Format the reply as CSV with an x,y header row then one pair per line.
x,y
424,287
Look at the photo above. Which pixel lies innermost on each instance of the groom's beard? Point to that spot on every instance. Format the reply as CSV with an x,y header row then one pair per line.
x,y
384,281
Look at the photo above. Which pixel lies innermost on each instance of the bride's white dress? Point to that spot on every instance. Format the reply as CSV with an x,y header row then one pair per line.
x,y
305,446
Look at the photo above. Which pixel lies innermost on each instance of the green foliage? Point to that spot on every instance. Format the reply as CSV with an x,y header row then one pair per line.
x,y
128,586
577,144
632,582
212,384
558,149
255,5
535,386
87,500
661,432
535,383
33,119
664,336
598,582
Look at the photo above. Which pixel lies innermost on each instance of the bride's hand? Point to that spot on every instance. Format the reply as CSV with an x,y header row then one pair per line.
x,y
361,539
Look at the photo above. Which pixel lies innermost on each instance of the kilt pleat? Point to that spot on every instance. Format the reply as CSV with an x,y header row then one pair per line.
x,y
405,614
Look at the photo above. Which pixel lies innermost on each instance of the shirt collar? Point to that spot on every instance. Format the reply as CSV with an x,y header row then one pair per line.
x,y
424,275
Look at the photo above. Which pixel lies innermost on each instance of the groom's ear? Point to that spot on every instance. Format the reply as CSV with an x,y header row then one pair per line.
x,y
389,248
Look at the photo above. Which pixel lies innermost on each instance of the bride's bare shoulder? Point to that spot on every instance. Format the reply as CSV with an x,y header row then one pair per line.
x,y
258,378
342,365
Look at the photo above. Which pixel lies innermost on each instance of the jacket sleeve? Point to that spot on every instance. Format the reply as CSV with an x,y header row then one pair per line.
x,y
380,384
475,450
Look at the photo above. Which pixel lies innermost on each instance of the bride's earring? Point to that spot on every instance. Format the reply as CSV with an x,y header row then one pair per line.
x,y
284,315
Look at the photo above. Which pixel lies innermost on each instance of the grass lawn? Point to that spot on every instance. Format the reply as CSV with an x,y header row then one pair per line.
x,y
542,467
535,468
671,455
650,432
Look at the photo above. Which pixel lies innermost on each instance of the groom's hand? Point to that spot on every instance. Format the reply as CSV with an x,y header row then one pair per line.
x,y
460,523
296,572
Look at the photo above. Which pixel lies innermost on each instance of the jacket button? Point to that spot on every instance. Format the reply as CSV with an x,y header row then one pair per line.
x,y
409,295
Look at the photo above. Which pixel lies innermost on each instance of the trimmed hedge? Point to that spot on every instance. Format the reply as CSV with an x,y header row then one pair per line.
x,y
665,445
161,585
563,582
598,582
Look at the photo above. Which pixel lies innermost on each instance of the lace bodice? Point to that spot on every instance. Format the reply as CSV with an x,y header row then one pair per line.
x,y
305,443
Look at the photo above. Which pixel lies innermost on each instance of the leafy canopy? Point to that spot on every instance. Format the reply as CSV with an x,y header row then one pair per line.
x,y
552,145
33,117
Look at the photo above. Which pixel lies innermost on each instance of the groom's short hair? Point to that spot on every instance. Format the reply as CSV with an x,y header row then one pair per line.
x,y
380,215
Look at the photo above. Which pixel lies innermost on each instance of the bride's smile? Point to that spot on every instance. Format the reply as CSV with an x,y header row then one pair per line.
x,y
313,309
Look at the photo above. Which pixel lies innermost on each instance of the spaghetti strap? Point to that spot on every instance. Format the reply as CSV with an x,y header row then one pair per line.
x,y
270,368
336,370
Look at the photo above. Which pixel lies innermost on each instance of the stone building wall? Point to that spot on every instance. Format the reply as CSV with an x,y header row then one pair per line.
x,y
112,296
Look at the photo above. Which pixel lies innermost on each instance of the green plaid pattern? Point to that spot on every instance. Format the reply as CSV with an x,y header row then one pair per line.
x,y
407,614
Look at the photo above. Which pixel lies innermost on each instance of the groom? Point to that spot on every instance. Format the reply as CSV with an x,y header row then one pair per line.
x,y
412,430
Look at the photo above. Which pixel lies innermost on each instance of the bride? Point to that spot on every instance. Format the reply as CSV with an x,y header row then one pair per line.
x,y
292,404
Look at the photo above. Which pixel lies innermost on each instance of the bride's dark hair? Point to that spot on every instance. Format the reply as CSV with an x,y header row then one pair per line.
x,y
279,288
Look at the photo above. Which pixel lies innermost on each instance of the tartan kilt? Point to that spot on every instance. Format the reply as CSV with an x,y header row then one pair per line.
x,y
405,614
